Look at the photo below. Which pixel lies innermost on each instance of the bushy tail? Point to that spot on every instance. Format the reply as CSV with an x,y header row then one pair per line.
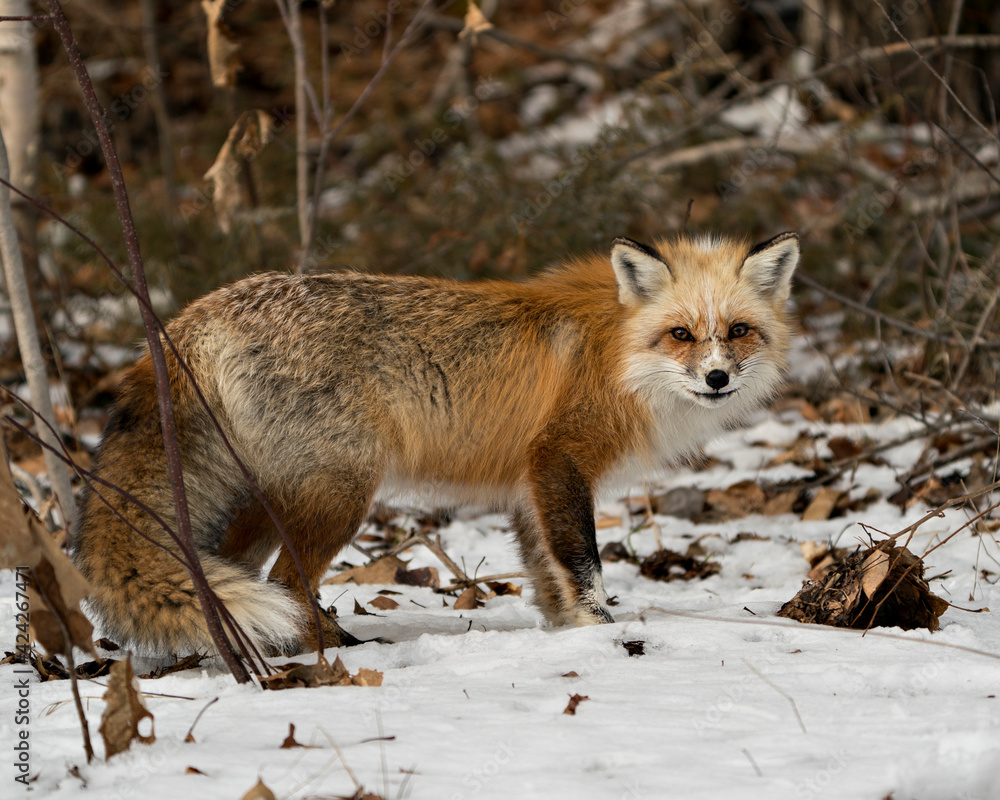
x,y
155,609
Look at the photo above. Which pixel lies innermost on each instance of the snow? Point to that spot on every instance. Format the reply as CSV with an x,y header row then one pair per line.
x,y
727,700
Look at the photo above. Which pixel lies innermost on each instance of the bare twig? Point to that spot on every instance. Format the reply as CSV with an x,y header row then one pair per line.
x,y
950,341
465,584
171,447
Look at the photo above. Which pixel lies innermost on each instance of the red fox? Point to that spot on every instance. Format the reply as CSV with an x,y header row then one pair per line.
x,y
337,389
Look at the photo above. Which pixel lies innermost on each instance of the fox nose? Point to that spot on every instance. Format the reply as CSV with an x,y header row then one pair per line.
x,y
717,378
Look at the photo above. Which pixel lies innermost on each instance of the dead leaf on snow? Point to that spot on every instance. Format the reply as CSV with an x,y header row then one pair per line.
x,y
574,701
424,576
636,647
667,565
469,599
322,673
822,504
616,551
874,569
382,570
739,500
503,588
383,603
259,792
290,743
781,503
864,590
123,712
367,677
843,448
820,558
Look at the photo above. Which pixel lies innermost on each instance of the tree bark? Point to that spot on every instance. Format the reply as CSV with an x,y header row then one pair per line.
x,y
31,350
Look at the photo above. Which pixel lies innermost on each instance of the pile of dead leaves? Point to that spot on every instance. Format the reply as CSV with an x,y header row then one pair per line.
x,y
882,586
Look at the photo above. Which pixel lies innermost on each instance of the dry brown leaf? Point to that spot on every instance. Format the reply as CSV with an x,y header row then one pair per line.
x,y
383,603
290,743
322,673
222,59
424,576
739,500
56,587
123,712
616,551
360,610
803,406
381,571
781,503
667,565
296,675
636,647
367,677
469,599
848,410
502,588
193,771
249,135
574,701
842,448
822,505
874,570
259,792
475,23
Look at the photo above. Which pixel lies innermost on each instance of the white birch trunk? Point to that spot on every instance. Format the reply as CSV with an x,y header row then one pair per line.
x,y
31,350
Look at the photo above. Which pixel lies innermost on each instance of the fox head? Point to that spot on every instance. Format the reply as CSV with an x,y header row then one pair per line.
x,y
706,319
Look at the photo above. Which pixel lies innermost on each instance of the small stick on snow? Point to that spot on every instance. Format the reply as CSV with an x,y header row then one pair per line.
x,y
780,691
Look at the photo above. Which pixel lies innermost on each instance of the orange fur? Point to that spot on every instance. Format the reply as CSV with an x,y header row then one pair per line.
x,y
333,389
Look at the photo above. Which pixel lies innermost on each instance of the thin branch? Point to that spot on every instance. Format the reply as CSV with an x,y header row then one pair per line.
x,y
874,313
167,422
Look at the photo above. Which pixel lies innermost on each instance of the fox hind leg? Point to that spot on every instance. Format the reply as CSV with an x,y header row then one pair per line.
x,y
320,522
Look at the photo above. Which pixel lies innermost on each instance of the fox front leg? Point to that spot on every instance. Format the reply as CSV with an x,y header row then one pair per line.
x,y
558,541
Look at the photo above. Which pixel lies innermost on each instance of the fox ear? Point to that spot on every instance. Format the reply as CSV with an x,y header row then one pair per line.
x,y
769,265
639,269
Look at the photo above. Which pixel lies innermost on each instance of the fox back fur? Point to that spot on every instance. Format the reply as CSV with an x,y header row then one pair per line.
x,y
336,389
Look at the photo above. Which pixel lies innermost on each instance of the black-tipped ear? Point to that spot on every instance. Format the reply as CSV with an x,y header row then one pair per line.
x,y
769,265
639,269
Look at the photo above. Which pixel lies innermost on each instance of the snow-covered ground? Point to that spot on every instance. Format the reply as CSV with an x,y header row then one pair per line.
x,y
727,700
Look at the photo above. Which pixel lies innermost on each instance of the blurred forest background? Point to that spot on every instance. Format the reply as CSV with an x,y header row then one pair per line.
x,y
448,139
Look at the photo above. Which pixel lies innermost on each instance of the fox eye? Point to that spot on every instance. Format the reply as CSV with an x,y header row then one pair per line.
x,y
739,330
682,335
